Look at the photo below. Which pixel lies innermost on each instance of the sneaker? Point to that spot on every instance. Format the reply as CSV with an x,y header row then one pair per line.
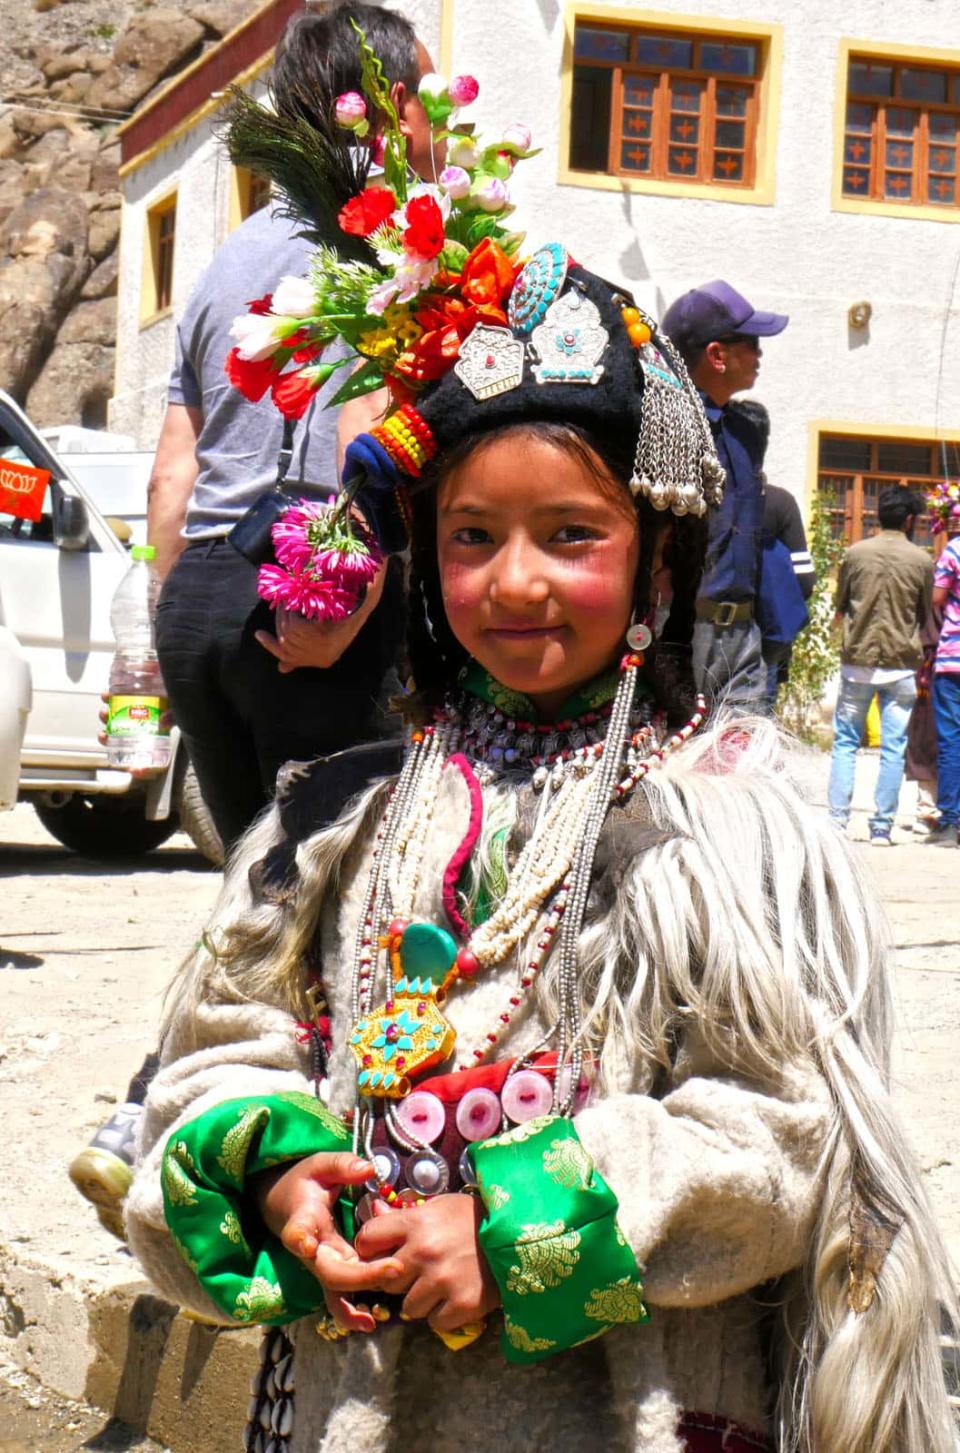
x,y
103,1171
881,840
944,835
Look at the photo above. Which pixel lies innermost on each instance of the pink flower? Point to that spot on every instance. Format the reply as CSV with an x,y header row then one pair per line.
x,y
350,568
301,592
378,151
492,195
350,110
454,181
463,90
518,136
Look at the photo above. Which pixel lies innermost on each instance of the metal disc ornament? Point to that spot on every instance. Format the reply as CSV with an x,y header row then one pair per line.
x,y
539,283
639,636
427,1173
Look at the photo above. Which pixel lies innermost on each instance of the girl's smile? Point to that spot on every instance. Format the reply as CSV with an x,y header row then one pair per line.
x,y
538,553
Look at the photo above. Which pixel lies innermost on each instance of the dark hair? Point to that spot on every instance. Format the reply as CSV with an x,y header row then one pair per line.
x,y
758,416
318,58
435,656
896,505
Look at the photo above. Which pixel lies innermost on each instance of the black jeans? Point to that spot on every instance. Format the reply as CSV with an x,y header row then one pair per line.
x,y
239,717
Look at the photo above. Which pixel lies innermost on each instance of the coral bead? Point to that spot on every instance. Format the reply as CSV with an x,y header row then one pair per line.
x,y
629,316
639,334
397,927
468,963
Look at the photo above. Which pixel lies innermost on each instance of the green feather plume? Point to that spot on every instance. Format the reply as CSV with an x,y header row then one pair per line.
x,y
314,167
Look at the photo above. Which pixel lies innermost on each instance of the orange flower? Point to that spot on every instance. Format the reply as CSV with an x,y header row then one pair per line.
x,y
488,274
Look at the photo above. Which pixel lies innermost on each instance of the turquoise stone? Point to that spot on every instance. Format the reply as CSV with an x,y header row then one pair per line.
x,y
427,952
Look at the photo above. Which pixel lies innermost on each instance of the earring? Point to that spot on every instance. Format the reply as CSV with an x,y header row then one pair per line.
x,y
639,636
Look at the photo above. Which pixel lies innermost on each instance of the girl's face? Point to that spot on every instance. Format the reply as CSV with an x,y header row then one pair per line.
x,y
537,565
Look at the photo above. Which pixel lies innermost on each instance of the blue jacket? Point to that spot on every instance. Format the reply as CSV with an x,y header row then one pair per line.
x,y
735,537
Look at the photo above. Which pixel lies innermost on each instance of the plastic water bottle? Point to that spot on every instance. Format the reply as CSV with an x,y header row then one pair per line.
x,y
138,737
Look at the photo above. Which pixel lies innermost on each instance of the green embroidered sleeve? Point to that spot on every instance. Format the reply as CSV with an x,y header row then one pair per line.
x,y
239,1264
565,1271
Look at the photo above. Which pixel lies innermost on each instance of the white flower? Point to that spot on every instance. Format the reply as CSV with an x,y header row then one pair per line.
x,y
294,297
518,135
258,334
461,152
455,181
432,84
491,195
409,279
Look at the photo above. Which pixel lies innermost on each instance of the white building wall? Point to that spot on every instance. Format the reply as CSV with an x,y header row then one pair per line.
x,y
795,256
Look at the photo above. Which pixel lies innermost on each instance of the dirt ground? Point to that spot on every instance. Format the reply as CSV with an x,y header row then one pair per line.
x,y
85,953
33,1420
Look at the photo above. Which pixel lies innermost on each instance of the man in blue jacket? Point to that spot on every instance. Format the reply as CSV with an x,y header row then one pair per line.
x,y
718,333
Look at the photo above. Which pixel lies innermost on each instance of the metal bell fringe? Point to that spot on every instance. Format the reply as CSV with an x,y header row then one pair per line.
x,y
676,466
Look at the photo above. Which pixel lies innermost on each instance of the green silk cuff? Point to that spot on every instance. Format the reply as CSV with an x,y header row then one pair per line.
x,y
565,1271
238,1262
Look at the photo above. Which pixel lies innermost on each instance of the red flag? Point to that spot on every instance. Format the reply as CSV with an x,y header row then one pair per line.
x,y
22,489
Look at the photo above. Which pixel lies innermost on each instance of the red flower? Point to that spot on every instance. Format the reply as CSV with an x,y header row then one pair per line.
x,y
431,356
293,392
424,237
251,376
261,305
368,211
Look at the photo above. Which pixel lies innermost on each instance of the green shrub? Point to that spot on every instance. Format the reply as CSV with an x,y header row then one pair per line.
x,y
816,651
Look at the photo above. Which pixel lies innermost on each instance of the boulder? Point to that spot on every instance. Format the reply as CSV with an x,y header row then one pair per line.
x,y
10,142
104,231
73,386
14,187
43,264
59,61
102,282
220,16
72,89
105,175
155,43
91,322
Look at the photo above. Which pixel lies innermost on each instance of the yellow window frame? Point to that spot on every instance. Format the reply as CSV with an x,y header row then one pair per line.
x,y
154,285
770,38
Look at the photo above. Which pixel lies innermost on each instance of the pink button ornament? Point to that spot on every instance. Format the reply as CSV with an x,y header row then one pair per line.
x,y
421,1116
478,1115
526,1096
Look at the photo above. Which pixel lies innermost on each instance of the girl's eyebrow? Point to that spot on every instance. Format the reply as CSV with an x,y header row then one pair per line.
x,y
553,507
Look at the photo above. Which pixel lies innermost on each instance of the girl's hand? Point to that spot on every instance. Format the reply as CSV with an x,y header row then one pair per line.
x,y
319,644
296,1203
443,1270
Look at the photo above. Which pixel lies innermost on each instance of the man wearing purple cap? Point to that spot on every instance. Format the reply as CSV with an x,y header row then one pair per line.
x,y
718,333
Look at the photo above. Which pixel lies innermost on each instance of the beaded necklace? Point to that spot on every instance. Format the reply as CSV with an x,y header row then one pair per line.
x,y
407,1034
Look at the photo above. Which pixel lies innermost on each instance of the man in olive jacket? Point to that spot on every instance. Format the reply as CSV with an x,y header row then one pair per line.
x,y
884,590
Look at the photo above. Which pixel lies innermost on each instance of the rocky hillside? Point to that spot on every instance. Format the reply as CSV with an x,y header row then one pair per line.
x,y
73,70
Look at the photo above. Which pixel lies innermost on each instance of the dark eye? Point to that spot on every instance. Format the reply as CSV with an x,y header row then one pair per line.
x,y
471,535
574,534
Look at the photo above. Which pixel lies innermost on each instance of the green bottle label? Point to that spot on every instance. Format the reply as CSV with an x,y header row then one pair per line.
x,y
137,716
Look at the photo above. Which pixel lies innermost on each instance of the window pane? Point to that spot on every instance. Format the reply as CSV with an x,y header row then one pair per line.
x,y
634,158
900,154
923,85
730,133
637,124
948,461
590,121
732,100
866,79
638,90
901,121
728,166
685,129
735,60
894,457
666,51
856,183
896,185
685,95
942,128
852,454
860,117
857,150
682,161
943,159
601,45
839,489
942,189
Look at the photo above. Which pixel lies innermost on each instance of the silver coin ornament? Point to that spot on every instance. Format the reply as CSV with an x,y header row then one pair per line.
x,y
639,636
490,362
428,1173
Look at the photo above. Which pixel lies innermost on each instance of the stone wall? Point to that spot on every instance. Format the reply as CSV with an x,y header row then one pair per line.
x,y
74,76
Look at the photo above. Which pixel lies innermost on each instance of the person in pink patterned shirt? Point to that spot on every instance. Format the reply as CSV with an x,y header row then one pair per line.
x,y
946,696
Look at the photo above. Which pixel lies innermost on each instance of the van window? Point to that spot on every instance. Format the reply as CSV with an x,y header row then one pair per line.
x,y
11,527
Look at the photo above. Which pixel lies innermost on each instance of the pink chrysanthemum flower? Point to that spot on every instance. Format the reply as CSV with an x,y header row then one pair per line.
x,y
301,592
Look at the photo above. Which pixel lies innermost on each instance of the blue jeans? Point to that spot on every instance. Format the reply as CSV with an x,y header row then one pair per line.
x,y
946,712
853,703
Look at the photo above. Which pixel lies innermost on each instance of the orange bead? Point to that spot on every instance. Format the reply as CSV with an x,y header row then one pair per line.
x,y
639,334
629,316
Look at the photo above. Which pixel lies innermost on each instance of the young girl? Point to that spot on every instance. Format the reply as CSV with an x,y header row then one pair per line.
x,y
595,1008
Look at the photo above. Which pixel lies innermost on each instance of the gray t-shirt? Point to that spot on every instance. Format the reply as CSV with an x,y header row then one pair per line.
x,y
239,440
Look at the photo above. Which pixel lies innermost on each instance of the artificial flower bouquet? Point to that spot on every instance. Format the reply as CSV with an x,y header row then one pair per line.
x,y
943,502
441,261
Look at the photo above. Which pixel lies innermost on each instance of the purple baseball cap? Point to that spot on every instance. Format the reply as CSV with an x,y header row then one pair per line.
x,y
715,310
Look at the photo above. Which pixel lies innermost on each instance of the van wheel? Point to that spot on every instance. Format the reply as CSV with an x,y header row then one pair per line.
x,y
195,819
103,825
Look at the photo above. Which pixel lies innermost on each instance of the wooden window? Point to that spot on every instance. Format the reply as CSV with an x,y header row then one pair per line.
x,y
667,105
157,292
856,470
249,193
900,135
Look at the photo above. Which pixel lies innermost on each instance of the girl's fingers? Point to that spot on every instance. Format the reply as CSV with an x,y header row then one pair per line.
x,y
341,1168
382,1234
341,1275
348,1317
422,1301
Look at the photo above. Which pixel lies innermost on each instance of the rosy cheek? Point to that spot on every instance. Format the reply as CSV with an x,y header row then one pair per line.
x,y
597,585
461,585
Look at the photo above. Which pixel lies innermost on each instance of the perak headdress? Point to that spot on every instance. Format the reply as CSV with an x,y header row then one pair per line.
x,y
464,335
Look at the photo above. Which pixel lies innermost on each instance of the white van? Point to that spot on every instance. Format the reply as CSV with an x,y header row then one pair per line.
x,y
57,579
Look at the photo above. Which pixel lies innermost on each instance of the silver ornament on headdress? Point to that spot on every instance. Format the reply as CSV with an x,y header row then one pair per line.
x,y
570,341
490,362
676,466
